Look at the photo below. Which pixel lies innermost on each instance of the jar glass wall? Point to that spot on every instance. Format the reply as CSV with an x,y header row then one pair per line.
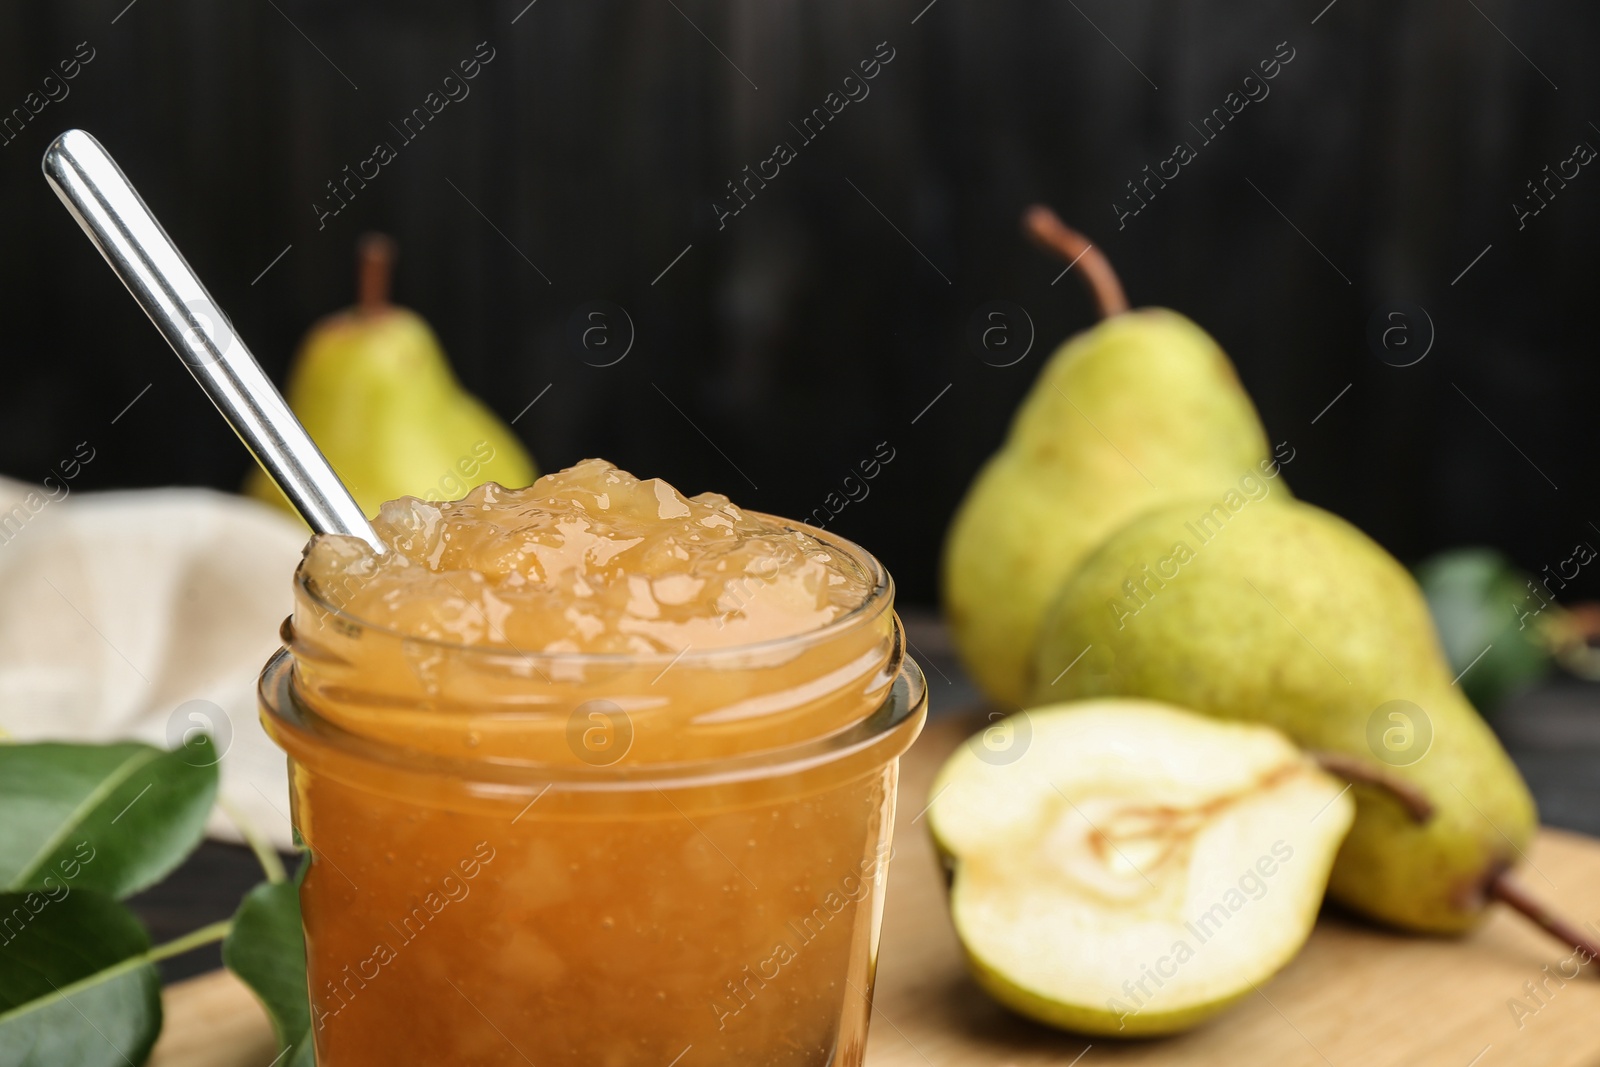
x,y
593,859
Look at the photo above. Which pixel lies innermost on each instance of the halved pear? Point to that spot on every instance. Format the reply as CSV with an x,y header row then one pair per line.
x,y
1126,867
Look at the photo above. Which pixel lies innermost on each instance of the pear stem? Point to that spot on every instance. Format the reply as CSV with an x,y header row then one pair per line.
x,y
1045,229
374,268
206,935
1355,769
1506,889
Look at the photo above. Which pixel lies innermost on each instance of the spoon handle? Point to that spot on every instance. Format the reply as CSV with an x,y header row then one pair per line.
x,y
116,219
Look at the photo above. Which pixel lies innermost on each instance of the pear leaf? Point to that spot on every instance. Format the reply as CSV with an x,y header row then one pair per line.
x,y
111,818
1487,612
75,984
266,949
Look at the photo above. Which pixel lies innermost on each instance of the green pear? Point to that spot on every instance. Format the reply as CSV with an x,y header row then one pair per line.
x,y
1142,408
1280,613
1130,868
375,390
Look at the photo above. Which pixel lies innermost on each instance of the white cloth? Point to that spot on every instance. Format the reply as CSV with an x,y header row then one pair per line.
x,y
141,615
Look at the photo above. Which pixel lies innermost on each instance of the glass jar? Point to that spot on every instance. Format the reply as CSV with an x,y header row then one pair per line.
x,y
588,860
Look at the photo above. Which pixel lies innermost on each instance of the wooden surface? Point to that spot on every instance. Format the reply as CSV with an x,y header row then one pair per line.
x,y
213,1021
1355,996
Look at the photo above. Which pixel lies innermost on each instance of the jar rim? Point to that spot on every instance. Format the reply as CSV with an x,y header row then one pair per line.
x,y
900,714
879,598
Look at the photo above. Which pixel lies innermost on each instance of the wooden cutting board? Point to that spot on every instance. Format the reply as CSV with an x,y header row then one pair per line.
x,y
1355,996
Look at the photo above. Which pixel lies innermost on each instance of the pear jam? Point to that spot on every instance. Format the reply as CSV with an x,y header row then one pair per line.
x,y
590,559
591,773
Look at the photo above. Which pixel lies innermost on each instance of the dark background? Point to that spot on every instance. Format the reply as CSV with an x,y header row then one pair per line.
x,y
809,330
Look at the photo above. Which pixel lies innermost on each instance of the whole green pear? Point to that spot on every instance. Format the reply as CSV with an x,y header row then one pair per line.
x,y
1136,410
375,390
1256,607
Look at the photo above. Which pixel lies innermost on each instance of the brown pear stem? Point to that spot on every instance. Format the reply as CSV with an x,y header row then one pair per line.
x,y
1506,889
1354,769
374,267
1045,229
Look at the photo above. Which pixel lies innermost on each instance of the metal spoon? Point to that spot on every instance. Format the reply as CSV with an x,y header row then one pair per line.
x,y
116,219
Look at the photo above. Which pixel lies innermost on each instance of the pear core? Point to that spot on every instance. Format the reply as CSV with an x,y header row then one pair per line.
x,y
588,560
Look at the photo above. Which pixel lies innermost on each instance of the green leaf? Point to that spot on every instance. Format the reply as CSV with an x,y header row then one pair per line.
x,y
75,986
1487,618
267,950
111,818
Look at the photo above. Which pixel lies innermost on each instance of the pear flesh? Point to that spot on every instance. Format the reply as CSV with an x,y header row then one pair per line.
x,y
1283,614
1139,867
1140,408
